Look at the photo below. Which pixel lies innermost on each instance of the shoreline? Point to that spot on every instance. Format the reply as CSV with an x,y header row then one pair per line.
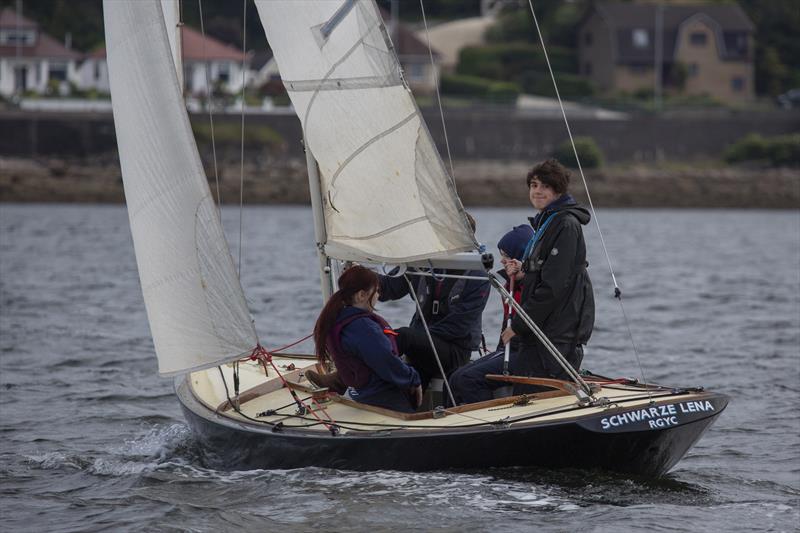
x,y
480,183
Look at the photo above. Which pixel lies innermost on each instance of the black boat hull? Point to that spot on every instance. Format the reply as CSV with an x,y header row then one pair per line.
x,y
585,442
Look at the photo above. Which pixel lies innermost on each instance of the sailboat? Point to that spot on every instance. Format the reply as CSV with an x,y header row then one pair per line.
x,y
380,195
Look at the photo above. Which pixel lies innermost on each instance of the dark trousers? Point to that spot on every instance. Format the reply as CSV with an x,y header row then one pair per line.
x,y
414,344
470,385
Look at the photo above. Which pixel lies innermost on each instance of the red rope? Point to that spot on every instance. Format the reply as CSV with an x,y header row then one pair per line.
x,y
254,355
266,357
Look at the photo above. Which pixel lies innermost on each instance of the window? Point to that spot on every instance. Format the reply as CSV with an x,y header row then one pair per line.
x,y
641,39
587,68
737,84
693,69
14,37
97,70
224,72
416,72
698,38
639,69
587,38
58,71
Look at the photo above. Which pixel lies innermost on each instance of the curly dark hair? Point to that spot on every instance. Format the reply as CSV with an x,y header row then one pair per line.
x,y
551,173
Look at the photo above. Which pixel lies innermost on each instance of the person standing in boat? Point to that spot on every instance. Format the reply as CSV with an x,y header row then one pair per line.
x,y
469,383
452,309
363,347
557,292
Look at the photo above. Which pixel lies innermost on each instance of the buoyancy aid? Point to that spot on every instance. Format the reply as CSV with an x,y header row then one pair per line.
x,y
353,371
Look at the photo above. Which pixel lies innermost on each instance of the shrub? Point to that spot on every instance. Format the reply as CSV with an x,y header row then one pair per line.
x,y
781,150
231,133
465,85
511,61
570,86
503,92
590,154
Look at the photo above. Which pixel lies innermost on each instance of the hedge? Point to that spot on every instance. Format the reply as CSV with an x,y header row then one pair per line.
x,y
781,150
510,61
482,88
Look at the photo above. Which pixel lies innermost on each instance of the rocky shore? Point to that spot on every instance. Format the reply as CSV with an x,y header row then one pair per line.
x,y
282,180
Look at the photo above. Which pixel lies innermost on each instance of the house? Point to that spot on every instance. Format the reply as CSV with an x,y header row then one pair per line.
x,y
200,55
450,37
414,57
31,60
264,69
705,49
222,62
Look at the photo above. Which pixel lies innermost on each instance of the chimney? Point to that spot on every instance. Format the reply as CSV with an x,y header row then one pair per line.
x,y
68,40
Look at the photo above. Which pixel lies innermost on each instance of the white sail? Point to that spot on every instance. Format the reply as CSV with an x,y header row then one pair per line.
x,y
172,19
195,304
386,194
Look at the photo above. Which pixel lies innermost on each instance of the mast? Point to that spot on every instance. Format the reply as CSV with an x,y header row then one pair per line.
x,y
320,234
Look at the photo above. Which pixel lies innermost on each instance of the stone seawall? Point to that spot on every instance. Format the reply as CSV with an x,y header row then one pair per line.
x,y
479,182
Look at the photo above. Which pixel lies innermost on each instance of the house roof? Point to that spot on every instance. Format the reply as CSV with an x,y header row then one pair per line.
x,y
192,42
199,48
45,45
404,40
624,18
9,19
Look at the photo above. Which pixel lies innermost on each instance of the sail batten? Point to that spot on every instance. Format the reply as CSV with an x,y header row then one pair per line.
x,y
195,304
385,192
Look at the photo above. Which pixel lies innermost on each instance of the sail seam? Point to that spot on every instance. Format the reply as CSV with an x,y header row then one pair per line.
x,y
382,232
368,144
331,70
337,84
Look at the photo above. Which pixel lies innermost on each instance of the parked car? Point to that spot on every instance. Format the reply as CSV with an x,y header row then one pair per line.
x,y
790,99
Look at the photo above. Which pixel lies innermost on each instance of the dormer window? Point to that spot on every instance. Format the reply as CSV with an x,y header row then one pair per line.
x,y
641,39
698,38
14,37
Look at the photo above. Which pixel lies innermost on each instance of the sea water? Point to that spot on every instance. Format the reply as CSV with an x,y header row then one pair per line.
x,y
91,437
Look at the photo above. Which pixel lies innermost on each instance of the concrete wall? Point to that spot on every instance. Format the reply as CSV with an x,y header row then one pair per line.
x,y
473,135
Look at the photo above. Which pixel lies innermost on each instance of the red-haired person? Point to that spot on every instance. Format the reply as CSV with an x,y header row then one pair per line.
x,y
362,345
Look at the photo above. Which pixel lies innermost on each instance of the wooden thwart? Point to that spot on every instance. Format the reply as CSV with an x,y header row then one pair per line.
x,y
565,386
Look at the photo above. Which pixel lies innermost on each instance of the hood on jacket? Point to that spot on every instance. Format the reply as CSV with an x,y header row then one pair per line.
x,y
565,203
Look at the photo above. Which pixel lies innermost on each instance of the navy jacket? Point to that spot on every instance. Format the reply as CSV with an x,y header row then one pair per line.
x,y
363,338
460,310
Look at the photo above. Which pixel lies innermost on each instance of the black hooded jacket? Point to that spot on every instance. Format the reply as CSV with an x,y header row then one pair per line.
x,y
557,292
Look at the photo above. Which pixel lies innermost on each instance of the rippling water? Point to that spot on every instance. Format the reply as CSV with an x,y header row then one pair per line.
x,y
93,439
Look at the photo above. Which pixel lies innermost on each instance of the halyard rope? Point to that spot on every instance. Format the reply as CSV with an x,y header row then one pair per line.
x,y
210,104
436,84
241,162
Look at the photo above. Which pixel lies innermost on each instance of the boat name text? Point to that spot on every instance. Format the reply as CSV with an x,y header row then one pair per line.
x,y
657,416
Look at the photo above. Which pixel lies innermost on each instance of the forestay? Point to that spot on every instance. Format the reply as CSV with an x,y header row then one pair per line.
x,y
195,304
386,194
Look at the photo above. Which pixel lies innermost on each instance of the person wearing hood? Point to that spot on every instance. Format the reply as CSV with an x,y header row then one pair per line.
x,y
557,292
469,383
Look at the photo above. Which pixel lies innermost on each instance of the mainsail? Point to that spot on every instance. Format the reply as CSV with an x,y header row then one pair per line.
x,y
386,194
172,19
195,304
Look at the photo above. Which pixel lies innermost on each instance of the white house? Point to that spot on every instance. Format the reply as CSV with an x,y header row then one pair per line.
x,y
31,60
200,54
